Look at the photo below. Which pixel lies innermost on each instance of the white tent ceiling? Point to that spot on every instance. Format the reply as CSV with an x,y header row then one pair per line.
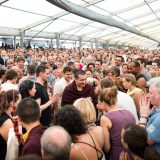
x,y
33,16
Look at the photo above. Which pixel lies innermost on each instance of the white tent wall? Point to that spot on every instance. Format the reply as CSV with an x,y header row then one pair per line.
x,y
40,19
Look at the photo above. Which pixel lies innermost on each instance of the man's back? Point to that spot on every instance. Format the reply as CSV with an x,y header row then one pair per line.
x,y
32,144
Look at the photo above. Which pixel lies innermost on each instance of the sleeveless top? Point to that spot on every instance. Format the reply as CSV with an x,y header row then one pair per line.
x,y
94,147
3,143
119,119
132,92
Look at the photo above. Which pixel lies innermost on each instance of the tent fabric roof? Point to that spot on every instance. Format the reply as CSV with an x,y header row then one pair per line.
x,y
33,16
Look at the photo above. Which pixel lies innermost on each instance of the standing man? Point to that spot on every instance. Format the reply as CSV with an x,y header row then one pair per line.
x,y
56,143
135,68
11,78
150,118
144,71
98,67
119,60
42,95
78,89
29,115
62,83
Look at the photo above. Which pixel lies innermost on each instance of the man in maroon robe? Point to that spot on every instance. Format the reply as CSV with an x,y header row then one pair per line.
x,y
78,89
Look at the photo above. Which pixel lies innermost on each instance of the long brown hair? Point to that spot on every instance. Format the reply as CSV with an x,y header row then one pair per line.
x,y
6,98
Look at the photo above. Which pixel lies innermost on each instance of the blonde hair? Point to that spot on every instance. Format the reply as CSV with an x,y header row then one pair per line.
x,y
87,109
109,95
130,78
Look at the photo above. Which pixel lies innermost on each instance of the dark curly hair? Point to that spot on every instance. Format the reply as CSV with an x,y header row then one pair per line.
x,y
70,119
136,139
24,88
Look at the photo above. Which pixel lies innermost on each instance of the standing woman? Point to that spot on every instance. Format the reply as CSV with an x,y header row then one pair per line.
x,y
27,89
129,82
84,145
134,137
87,109
6,108
114,119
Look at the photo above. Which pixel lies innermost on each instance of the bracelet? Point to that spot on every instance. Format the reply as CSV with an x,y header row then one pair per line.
x,y
142,124
143,117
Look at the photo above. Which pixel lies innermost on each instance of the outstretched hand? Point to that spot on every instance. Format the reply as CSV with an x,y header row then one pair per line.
x,y
55,98
145,106
123,156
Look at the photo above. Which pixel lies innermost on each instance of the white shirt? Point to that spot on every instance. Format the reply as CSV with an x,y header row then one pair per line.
x,y
7,86
59,88
126,102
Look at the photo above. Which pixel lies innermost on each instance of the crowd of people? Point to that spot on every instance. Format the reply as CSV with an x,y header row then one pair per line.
x,y
80,104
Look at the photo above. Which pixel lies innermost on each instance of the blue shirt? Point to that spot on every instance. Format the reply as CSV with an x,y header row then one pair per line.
x,y
153,129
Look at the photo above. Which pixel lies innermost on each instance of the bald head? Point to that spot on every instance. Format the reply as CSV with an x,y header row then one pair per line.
x,y
56,143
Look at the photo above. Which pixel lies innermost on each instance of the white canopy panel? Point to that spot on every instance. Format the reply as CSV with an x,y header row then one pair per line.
x,y
33,16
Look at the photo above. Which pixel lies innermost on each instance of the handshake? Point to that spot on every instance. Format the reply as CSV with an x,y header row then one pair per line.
x,y
91,80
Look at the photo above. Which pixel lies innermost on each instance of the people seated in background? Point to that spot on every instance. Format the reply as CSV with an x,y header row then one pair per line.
x,y
56,144
87,109
28,112
84,143
8,103
114,119
135,139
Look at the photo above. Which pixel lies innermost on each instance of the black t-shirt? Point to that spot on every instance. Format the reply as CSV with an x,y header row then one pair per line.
x,y
3,144
41,92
